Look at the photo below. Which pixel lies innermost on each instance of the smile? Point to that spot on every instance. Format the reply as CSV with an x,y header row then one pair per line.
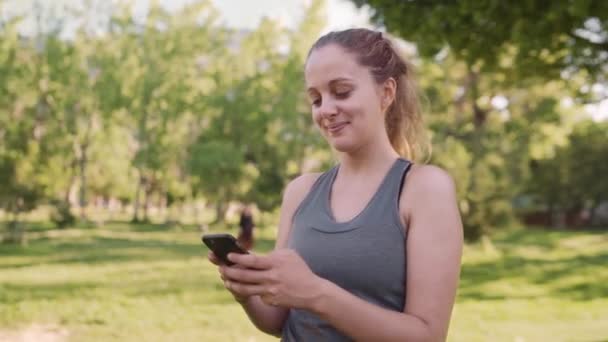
x,y
336,127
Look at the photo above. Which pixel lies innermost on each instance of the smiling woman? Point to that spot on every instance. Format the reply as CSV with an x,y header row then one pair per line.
x,y
383,94
369,250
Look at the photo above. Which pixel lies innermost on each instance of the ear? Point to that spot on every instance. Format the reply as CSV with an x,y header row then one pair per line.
x,y
388,93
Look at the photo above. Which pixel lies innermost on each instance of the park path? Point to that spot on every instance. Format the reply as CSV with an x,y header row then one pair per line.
x,y
35,333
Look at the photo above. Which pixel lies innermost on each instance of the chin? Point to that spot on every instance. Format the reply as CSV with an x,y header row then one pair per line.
x,y
341,145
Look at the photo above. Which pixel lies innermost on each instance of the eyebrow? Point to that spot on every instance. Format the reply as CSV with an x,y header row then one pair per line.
x,y
333,82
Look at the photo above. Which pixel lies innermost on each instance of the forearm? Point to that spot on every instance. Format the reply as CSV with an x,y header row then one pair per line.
x,y
365,321
268,319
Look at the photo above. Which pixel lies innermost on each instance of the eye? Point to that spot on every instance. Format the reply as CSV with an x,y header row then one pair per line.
x,y
342,94
316,102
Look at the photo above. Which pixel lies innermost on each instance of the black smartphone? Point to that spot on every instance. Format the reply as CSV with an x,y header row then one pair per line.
x,y
221,245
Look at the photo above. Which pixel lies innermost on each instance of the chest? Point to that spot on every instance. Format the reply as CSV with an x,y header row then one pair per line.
x,y
347,200
368,260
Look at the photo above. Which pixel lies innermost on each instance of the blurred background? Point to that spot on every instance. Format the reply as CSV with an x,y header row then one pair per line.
x,y
128,128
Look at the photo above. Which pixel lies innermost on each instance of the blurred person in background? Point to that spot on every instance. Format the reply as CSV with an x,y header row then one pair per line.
x,y
246,226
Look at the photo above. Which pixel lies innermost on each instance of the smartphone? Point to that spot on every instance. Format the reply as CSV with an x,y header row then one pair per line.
x,y
221,245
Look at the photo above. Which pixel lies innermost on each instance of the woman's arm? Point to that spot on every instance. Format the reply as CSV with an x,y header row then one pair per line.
x,y
267,318
434,247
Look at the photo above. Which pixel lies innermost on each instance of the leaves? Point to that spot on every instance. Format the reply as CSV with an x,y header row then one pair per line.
x,y
171,101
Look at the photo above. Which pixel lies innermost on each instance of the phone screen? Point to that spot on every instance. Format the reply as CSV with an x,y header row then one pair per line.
x,y
221,245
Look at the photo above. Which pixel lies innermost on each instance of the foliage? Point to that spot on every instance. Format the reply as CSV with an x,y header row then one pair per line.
x,y
567,180
168,108
61,214
477,53
539,38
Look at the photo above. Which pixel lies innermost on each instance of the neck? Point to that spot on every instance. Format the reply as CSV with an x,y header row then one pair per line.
x,y
368,159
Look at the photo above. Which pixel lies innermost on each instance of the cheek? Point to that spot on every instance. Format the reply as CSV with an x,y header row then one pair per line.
x,y
361,109
317,119
316,116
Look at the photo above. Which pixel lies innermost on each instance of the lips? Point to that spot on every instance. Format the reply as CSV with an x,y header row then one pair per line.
x,y
336,127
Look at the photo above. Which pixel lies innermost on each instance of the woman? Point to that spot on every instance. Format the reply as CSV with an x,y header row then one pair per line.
x,y
370,250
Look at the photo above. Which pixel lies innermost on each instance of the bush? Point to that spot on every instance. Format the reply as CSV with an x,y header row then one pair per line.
x,y
61,215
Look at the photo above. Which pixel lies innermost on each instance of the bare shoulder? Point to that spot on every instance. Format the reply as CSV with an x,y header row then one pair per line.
x,y
434,246
430,180
298,188
427,187
293,195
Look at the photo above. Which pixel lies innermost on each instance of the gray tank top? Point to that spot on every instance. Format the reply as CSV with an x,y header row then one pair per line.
x,y
365,256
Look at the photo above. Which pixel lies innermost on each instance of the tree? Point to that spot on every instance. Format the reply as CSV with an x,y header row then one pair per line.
x,y
541,39
22,115
482,51
158,74
258,114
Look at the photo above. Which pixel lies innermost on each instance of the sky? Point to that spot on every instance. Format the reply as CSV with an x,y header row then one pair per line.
x,y
247,14
341,14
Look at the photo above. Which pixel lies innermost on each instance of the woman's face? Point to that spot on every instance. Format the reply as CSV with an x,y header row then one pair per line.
x,y
346,101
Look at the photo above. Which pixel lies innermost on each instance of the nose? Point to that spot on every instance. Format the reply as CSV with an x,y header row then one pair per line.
x,y
328,109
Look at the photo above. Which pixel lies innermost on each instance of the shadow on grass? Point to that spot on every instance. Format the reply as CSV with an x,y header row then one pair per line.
x,y
13,293
583,284
210,290
542,238
102,249
574,277
98,250
45,226
531,237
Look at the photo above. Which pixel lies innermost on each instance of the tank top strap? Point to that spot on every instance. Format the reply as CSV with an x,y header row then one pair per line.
x,y
387,200
314,200
391,187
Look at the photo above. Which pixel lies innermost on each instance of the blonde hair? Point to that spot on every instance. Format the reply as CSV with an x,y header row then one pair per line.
x,y
403,120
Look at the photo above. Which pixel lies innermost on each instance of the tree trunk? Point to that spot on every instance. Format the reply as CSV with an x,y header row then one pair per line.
x,y
551,209
162,206
558,218
137,194
83,181
146,203
220,211
15,233
593,211
83,162
169,210
142,140
475,228
72,182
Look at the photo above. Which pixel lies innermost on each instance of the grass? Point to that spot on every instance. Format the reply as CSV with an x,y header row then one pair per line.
x,y
127,282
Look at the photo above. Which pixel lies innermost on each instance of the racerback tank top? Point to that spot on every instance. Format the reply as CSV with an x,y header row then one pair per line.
x,y
365,255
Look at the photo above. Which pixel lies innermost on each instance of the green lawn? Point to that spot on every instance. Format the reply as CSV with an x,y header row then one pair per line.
x,y
147,283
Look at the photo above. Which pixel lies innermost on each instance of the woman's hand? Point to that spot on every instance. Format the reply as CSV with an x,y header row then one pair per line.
x,y
214,260
281,278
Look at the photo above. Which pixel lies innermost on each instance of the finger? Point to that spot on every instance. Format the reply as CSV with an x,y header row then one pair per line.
x,y
244,290
225,277
250,276
258,262
234,274
214,260
269,300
